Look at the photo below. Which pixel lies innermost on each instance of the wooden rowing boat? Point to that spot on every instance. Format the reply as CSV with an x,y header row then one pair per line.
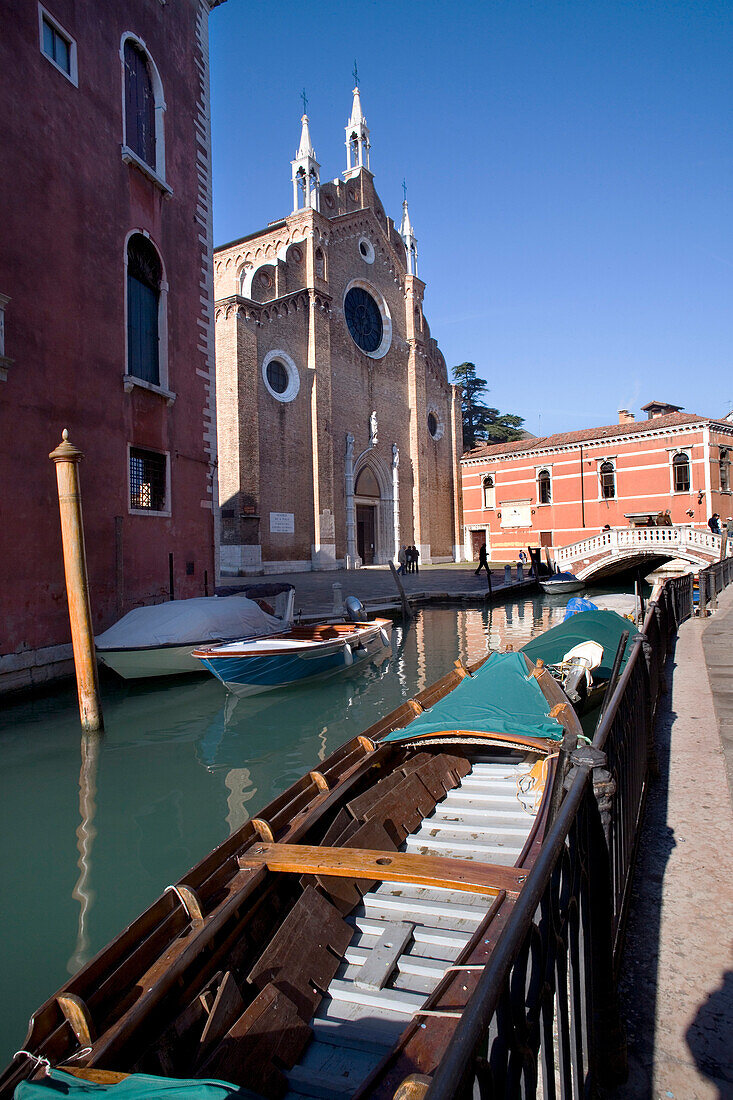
x,y
329,946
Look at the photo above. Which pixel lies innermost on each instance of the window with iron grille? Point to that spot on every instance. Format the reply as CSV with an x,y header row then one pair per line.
x,y
608,480
544,487
724,470
147,480
144,273
489,491
681,467
139,104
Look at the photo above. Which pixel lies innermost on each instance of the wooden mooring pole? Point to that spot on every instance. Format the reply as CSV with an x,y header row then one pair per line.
x,y
66,458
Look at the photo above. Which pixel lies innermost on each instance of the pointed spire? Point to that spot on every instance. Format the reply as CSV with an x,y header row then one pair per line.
x,y
357,138
408,236
305,149
306,170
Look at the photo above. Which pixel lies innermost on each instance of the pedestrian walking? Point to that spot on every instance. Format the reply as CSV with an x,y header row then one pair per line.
x,y
522,557
482,561
402,559
415,556
714,523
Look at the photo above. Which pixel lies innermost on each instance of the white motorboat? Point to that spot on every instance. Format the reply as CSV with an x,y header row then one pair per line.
x,y
560,583
158,639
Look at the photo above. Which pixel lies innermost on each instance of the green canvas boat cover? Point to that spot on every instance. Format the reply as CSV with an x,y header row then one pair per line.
x,y
604,627
498,698
138,1086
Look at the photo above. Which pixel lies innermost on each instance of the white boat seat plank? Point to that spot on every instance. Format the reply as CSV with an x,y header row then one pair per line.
x,y
447,939
433,895
339,1069
479,815
401,1003
463,849
432,915
412,975
350,1036
381,961
485,833
383,1026
362,944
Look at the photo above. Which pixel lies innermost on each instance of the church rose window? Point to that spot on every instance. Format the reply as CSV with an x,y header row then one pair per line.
x,y
277,376
432,424
363,319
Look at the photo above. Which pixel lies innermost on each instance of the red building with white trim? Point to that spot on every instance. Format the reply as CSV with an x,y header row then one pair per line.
x,y
105,311
556,490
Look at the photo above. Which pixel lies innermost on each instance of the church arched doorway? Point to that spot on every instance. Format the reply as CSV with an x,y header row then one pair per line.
x,y
367,498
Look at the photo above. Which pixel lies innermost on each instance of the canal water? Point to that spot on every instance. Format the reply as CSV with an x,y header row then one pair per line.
x,y
92,830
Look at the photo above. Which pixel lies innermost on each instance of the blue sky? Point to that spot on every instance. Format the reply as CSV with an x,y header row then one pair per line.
x,y
569,170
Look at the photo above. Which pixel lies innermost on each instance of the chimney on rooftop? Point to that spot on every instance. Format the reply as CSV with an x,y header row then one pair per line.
x,y
625,417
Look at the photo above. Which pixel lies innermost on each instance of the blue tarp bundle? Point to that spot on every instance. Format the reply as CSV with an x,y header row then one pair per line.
x,y
498,698
576,604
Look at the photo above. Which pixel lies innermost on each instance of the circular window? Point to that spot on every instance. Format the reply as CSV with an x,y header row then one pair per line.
x,y
265,280
364,319
435,424
353,195
329,200
295,254
281,376
366,250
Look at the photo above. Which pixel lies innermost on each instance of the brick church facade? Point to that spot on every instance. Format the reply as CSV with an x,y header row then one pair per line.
x,y
338,428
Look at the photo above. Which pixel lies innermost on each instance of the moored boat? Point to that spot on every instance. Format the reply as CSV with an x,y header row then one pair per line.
x,y
335,939
559,583
303,654
158,639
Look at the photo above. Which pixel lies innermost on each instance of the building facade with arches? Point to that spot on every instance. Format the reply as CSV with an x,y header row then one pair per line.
x,y
554,491
106,312
338,428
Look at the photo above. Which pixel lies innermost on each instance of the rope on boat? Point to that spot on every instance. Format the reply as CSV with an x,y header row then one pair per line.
x,y
36,1058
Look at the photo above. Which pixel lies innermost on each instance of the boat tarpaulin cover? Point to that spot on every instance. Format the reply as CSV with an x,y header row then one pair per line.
x,y
604,627
180,622
137,1086
498,698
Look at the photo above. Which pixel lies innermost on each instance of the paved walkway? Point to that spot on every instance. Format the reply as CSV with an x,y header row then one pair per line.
x,y
375,586
677,974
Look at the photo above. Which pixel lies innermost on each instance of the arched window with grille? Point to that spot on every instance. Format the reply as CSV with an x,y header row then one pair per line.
x,y
544,487
144,278
681,472
607,473
489,491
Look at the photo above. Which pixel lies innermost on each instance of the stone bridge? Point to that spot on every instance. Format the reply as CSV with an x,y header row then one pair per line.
x,y
624,548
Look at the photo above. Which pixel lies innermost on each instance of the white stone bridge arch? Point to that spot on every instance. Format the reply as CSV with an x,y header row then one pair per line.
x,y
623,548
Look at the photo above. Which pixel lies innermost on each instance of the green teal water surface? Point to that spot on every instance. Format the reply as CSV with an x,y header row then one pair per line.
x,y
92,831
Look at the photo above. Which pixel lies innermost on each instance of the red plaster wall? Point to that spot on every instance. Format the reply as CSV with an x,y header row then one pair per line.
x,y
69,203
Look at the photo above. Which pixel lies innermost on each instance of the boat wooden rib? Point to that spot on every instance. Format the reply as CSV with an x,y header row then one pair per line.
x,y
330,945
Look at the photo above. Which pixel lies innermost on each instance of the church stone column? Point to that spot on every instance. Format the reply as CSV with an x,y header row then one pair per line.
x,y
414,289
456,452
323,546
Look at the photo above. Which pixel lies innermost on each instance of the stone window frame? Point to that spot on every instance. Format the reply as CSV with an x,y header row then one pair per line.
x,y
440,423
612,459
293,387
680,452
167,511
44,16
130,381
366,250
383,308
155,174
724,464
547,471
487,488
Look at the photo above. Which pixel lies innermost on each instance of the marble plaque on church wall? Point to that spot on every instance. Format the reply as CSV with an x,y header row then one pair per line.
x,y
327,526
282,523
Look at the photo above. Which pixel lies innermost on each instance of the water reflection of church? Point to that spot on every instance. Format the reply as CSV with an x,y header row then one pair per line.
x,y
338,428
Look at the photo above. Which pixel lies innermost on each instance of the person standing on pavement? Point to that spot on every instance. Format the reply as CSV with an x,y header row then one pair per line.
x,y
714,523
415,556
482,561
402,559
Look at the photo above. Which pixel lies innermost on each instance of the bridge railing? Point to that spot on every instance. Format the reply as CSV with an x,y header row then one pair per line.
x,y
618,540
712,581
544,1018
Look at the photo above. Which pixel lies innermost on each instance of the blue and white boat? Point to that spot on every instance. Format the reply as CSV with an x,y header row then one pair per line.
x,y
302,654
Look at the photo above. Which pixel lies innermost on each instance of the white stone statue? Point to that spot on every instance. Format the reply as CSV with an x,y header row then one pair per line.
x,y
349,446
395,456
373,430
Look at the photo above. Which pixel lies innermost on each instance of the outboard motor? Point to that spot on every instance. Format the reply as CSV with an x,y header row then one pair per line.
x,y
355,610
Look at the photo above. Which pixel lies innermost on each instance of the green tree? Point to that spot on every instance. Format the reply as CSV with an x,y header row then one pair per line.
x,y
481,423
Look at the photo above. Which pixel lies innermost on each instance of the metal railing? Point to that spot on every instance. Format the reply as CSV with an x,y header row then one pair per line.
x,y
545,1019
712,581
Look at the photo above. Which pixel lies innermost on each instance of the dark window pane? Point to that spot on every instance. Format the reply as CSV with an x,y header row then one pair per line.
x,y
62,54
147,480
608,480
277,376
681,467
142,331
139,104
545,491
363,319
47,38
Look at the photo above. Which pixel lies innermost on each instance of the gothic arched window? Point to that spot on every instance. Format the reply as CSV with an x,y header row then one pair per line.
x,y
144,276
139,104
544,487
489,491
607,474
681,469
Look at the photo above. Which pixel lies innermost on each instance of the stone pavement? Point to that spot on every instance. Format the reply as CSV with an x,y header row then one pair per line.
x,y
375,586
677,973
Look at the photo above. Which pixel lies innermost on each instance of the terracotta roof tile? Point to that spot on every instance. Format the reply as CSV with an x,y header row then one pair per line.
x,y
608,431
